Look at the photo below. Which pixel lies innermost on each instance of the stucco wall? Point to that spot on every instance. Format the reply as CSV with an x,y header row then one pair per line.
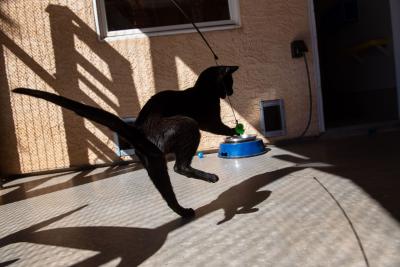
x,y
53,46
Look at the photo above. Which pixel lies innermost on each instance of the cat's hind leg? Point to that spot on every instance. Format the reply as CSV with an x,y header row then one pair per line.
x,y
182,138
156,167
183,167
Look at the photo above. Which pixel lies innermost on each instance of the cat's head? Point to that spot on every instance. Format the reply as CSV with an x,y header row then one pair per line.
x,y
217,79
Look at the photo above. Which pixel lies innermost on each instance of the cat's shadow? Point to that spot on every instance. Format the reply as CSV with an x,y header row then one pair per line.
x,y
134,245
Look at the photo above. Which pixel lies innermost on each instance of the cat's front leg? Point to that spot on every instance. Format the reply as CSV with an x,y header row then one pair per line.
x,y
219,128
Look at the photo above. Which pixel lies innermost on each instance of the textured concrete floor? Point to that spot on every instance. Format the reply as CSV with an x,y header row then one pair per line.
x,y
265,211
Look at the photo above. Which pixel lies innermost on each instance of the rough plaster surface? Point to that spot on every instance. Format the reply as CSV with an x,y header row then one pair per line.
x,y
53,46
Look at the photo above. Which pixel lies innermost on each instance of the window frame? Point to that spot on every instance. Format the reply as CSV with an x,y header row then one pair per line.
x,y
124,152
104,34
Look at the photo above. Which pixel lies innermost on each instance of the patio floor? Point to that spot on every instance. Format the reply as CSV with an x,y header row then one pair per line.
x,y
269,210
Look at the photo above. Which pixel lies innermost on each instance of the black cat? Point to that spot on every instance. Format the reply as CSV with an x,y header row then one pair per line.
x,y
168,123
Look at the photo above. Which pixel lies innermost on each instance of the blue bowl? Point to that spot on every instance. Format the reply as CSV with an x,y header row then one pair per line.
x,y
241,150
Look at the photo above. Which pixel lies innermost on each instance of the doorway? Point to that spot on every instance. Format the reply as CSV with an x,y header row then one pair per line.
x,y
357,62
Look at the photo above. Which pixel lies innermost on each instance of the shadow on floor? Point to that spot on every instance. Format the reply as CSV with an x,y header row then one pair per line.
x,y
134,245
27,190
7,263
370,161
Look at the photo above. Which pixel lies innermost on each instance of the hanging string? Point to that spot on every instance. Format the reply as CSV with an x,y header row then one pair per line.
x,y
208,45
197,29
230,104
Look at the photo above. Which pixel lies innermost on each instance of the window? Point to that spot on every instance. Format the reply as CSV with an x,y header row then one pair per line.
x,y
116,18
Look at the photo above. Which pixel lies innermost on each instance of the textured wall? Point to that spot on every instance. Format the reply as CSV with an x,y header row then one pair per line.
x,y
53,46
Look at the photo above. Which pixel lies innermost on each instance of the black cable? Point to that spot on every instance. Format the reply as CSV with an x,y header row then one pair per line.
x,y
310,99
348,219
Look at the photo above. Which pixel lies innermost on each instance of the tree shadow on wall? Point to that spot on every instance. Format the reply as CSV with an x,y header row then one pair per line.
x,y
9,162
86,70
68,33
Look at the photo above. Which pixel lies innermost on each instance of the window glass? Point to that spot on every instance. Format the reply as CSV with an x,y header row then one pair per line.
x,y
138,14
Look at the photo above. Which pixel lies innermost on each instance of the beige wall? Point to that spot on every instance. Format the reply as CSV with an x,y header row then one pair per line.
x,y
53,46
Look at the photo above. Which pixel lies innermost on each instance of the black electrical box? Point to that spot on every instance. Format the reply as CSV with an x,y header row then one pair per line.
x,y
298,48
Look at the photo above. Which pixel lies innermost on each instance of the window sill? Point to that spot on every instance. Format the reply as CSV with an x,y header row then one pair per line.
x,y
128,35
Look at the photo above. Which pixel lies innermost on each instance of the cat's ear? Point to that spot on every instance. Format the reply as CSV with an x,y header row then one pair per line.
x,y
231,69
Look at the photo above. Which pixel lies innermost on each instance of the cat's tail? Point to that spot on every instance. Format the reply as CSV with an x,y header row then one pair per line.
x,y
131,133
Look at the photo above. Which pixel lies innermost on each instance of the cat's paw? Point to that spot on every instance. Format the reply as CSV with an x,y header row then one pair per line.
x,y
187,213
213,178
